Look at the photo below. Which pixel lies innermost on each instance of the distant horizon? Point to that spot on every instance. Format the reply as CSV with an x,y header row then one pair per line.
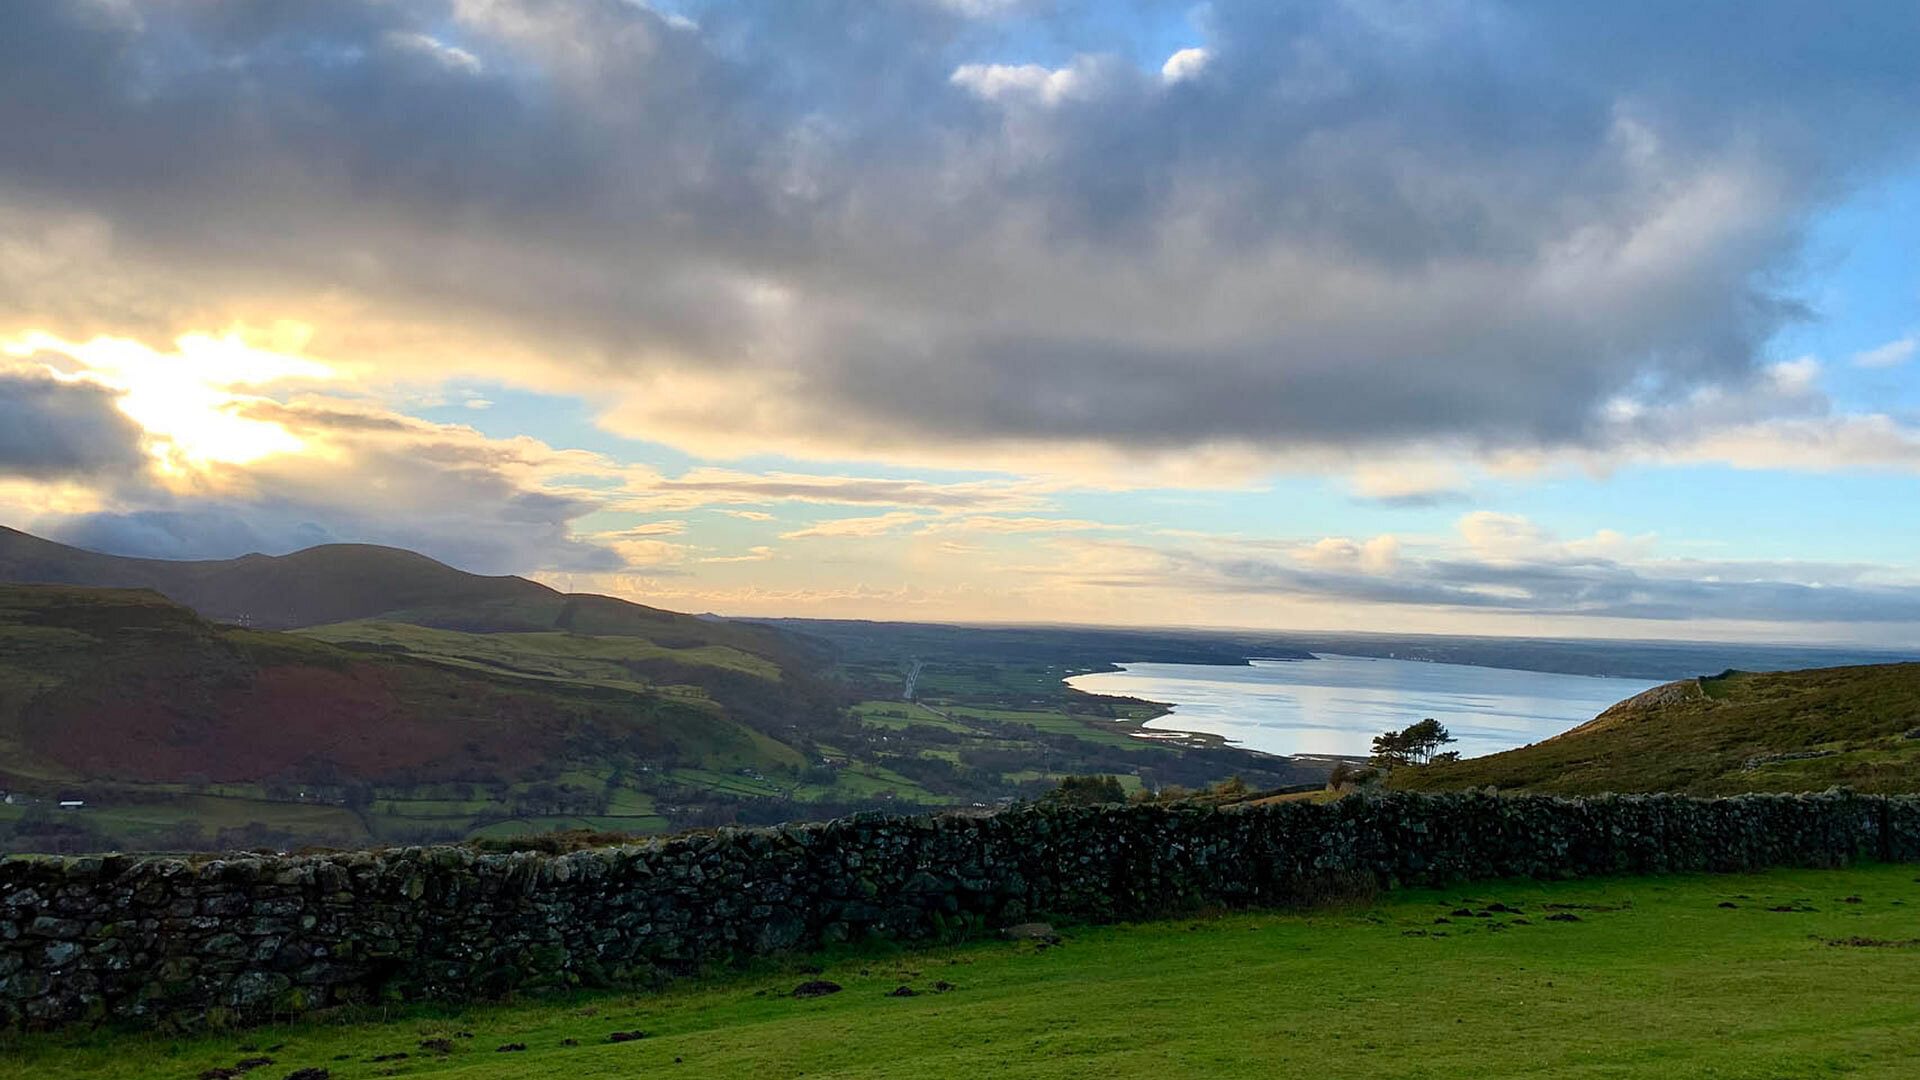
x,y
1169,627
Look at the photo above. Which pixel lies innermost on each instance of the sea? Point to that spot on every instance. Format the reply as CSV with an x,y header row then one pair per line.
x,y
1337,704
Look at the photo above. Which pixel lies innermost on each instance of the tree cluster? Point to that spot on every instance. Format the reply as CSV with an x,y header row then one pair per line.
x,y
1417,744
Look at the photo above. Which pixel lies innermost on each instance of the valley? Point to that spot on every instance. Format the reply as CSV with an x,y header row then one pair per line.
x,y
492,708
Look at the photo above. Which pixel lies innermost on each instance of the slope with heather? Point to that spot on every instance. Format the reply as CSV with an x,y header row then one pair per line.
x,y
1733,732
139,704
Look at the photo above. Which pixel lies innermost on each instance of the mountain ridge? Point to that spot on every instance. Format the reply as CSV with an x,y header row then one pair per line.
x,y
336,583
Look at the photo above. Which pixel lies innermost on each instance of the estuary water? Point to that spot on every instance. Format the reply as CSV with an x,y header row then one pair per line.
x,y
1337,704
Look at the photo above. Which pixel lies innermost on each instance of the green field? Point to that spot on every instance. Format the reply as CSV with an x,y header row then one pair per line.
x,y
561,657
1632,977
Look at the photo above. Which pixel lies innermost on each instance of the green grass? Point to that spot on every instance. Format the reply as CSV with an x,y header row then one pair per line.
x,y
554,655
1720,736
898,715
1654,980
1104,732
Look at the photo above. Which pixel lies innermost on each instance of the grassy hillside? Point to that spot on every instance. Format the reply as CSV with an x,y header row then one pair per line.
x,y
611,660
1739,731
159,718
343,582
322,584
1664,977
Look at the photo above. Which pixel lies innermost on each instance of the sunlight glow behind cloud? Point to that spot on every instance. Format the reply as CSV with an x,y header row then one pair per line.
x,y
187,401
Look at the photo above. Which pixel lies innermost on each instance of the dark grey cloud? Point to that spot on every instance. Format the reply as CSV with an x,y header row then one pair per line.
x,y
724,485
51,429
1560,586
468,518
1355,224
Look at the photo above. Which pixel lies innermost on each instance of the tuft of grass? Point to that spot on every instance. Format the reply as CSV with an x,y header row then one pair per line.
x,y
1619,978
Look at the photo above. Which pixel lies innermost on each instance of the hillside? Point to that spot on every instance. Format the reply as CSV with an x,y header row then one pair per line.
x,y
177,732
1738,731
343,582
136,703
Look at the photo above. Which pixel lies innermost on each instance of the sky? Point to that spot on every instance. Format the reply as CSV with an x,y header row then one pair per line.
x,y
1439,316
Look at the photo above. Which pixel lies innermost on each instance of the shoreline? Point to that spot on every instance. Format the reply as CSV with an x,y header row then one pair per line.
x,y
1523,724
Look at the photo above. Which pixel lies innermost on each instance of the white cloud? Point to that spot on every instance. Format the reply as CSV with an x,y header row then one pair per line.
x,y
1379,555
1184,64
761,553
987,523
705,486
450,56
1892,354
877,525
1002,82
981,9
651,528
649,554
1409,481
1494,535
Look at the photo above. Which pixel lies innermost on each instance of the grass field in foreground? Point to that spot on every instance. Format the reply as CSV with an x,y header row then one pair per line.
x,y
1652,977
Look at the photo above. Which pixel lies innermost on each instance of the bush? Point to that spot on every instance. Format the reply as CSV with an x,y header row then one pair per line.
x,y
1087,791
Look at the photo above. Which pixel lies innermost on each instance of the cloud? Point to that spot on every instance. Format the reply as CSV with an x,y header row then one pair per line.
x,y
1003,82
1478,224
472,515
761,553
877,525
1378,555
1506,564
180,465
51,429
706,485
645,556
1892,354
988,523
1409,483
1497,536
651,528
1185,64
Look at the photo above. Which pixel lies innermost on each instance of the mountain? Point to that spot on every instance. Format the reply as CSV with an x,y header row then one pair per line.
x,y
1723,734
324,584
337,583
131,698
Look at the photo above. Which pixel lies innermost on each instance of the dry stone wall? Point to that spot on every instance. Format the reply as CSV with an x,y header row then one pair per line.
x,y
181,943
